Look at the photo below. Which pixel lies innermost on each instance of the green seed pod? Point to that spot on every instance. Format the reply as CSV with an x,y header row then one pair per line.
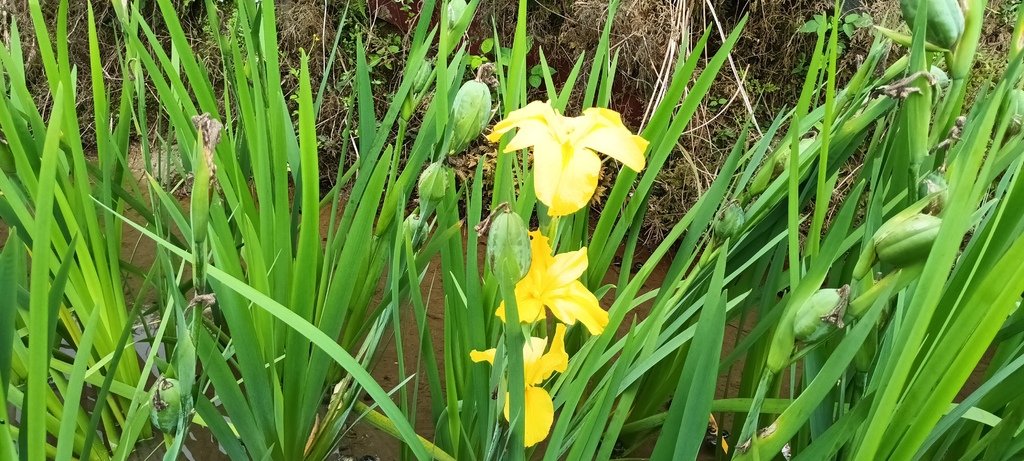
x,y
434,184
6,157
729,223
907,241
416,228
941,77
470,113
204,171
775,165
455,10
422,79
945,21
934,183
508,246
167,406
822,312
1013,107
420,82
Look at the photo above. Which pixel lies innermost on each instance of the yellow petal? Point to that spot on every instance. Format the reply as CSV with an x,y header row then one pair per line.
x,y
539,415
533,350
530,310
482,356
535,112
602,130
567,267
532,133
540,252
565,182
575,302
554,360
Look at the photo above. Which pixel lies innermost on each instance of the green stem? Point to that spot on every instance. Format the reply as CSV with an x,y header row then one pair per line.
x,y
750,425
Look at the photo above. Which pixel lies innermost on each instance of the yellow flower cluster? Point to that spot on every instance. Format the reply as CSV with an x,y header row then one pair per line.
x,y
566,170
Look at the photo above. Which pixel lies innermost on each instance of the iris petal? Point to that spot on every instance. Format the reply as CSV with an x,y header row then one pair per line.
x,y
539,415
565,182
483,356
535,111
574,302
554,360
567,267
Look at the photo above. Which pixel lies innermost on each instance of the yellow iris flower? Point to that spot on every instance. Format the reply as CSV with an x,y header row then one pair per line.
x,y
566,165
552,281
539,410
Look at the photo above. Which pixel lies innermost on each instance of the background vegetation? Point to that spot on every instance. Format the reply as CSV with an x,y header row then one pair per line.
x,y
856,250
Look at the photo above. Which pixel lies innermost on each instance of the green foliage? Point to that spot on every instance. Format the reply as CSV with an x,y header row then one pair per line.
x,y
270,297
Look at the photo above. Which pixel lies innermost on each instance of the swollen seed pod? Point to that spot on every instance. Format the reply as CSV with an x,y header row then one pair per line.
x,y
934,183
729,223
455,10
470,112
822,312
908,241
941,77
415,227
434,184
508,246
166,404
945,21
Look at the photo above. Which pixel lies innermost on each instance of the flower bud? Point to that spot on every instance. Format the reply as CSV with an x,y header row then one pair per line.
x,y
167,407
729,223
470,112
508,246
822,312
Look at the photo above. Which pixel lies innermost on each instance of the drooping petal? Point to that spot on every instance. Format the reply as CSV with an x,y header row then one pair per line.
x,y
567,267
602,130
554,360
483,356
565,182
534,112
539,415
574,302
